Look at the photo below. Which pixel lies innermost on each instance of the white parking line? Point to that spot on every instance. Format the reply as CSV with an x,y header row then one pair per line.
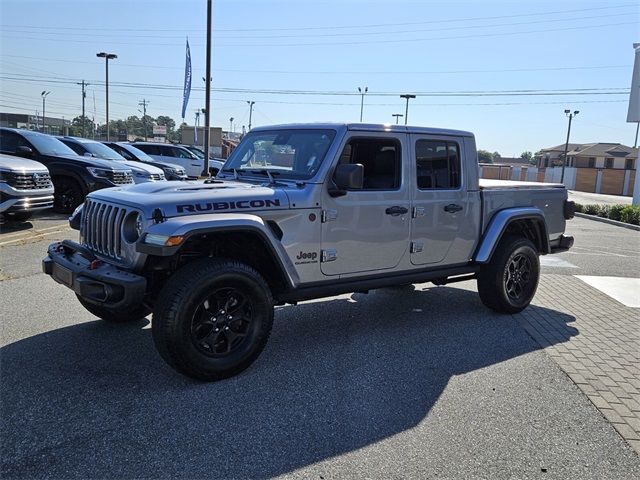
x,y
553,261
624,290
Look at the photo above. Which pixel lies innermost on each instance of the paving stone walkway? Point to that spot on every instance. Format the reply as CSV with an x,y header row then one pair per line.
x,y
599,349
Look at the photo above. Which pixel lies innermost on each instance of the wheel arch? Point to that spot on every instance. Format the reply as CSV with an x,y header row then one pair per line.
x,y
527,222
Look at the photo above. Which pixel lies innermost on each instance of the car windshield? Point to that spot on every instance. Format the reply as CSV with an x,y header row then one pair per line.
x,y
47,145
195,150
102,151
136,152
294,153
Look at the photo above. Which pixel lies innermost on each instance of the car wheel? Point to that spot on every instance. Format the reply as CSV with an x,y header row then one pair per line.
x,y
115,315
213,319
67,194
509,282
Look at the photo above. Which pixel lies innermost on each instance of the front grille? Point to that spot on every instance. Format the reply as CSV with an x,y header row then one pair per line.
x,y
29,181
120,178
102,228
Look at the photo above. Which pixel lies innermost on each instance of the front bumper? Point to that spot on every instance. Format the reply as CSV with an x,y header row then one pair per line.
x,y
75,267
17,200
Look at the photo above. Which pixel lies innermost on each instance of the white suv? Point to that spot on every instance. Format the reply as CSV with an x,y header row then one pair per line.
x,y
168,153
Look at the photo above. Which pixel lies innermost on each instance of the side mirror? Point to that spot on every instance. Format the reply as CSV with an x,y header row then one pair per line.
x,y
348,176
87,154
25,152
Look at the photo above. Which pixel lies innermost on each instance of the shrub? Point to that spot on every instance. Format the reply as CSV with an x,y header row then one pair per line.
x,y
579,208
603,211
591,209
615,212
631,214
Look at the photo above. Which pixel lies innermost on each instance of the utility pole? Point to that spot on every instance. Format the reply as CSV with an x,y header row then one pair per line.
x,y
207,95
406,112
44,121
84,95
635,143
566,144
251,104
107,57
143,103
397,115
362,94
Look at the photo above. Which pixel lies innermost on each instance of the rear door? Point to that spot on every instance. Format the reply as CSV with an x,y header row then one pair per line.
x,y
443,220
192,164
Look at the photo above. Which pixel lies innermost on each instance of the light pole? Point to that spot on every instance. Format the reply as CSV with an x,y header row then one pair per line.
x,y
569,114
230,126
107,57
362,93
406,112
207,94
397,115
44,97
251,104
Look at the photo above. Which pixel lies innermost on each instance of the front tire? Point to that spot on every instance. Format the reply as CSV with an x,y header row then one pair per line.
x,y
509,282
115,315
67,194
213,319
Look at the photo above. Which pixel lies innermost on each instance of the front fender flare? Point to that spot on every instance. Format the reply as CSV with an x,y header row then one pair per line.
x,y
189,226
498,225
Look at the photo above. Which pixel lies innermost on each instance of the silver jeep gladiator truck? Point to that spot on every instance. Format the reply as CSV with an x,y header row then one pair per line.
x,y
300,212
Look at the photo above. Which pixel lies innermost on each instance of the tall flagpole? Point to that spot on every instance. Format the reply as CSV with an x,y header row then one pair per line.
x,y
207,95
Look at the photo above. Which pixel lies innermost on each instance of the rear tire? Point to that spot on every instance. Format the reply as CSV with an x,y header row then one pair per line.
x,y
509,282
115,315
67,195
212,319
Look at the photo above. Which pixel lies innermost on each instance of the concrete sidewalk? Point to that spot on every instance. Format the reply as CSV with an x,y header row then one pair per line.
x,y
585,198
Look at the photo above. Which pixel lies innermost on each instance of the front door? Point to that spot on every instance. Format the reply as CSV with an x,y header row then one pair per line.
x,y
367,230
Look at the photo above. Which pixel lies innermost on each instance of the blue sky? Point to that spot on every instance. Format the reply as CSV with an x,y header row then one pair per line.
x,y
335,46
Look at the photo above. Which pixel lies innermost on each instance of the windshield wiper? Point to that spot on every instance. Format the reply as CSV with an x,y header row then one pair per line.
x,y
264,171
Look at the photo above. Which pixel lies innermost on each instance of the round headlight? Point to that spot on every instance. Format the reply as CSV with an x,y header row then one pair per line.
x,y
133,227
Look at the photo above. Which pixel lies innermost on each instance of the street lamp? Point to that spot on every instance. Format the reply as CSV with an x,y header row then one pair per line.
x,y
397,115
362,93
566,145
251,104
107,57
406,112
230,126
44,96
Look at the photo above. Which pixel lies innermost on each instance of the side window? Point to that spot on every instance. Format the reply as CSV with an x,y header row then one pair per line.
x,y
8,142
608,163
381,160
75,147
437,164
122,151
592,162
178,153
148,149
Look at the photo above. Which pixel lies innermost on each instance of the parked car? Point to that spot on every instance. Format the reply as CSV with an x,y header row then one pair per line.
x,y
360,207
166,152
215,164
129,152
73,176
25,186
142,172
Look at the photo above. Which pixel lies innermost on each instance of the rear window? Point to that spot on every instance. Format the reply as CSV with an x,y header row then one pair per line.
x,y
437,164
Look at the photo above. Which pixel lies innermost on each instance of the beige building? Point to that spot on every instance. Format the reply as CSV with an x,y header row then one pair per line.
x,y
590,155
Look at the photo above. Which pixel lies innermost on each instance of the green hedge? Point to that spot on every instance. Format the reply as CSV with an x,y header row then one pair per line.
x,y
621,213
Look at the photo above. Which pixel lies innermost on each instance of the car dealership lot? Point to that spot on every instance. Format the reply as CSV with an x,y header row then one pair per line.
x,y
414,382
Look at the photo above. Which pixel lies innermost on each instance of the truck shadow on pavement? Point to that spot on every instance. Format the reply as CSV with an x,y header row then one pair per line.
x,y
95,400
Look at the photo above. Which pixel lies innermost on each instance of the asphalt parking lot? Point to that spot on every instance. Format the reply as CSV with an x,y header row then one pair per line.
x,y
421,382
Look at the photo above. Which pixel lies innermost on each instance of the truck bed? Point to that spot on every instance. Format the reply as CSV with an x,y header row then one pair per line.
x,y
486,183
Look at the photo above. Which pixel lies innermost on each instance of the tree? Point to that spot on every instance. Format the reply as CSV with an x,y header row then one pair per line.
x,y
528,156
75,130
495,156
484,156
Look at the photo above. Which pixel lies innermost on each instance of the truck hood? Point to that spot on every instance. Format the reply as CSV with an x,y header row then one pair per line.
x,y
194,198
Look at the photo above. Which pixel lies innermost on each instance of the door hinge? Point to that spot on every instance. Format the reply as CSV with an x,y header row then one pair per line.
x,y
416,247
417,212
329,215
328,256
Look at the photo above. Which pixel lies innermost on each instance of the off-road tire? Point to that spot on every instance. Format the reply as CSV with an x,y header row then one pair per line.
x,y
508,283
114,315
187,314
67,194
20,216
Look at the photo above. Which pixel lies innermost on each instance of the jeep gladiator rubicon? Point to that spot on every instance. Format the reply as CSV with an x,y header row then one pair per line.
x,y
300,212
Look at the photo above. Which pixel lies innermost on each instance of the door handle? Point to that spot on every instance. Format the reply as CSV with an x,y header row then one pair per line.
x,y
452,208
396,210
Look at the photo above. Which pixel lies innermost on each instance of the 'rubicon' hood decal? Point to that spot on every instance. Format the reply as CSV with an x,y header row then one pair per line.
x,y
193,198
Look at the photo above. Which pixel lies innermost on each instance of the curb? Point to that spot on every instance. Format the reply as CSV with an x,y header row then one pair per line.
x,y
609,221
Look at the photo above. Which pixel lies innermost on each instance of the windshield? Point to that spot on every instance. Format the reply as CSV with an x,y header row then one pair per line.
x,y
47,145
198,153
102,151
292,153
136,152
